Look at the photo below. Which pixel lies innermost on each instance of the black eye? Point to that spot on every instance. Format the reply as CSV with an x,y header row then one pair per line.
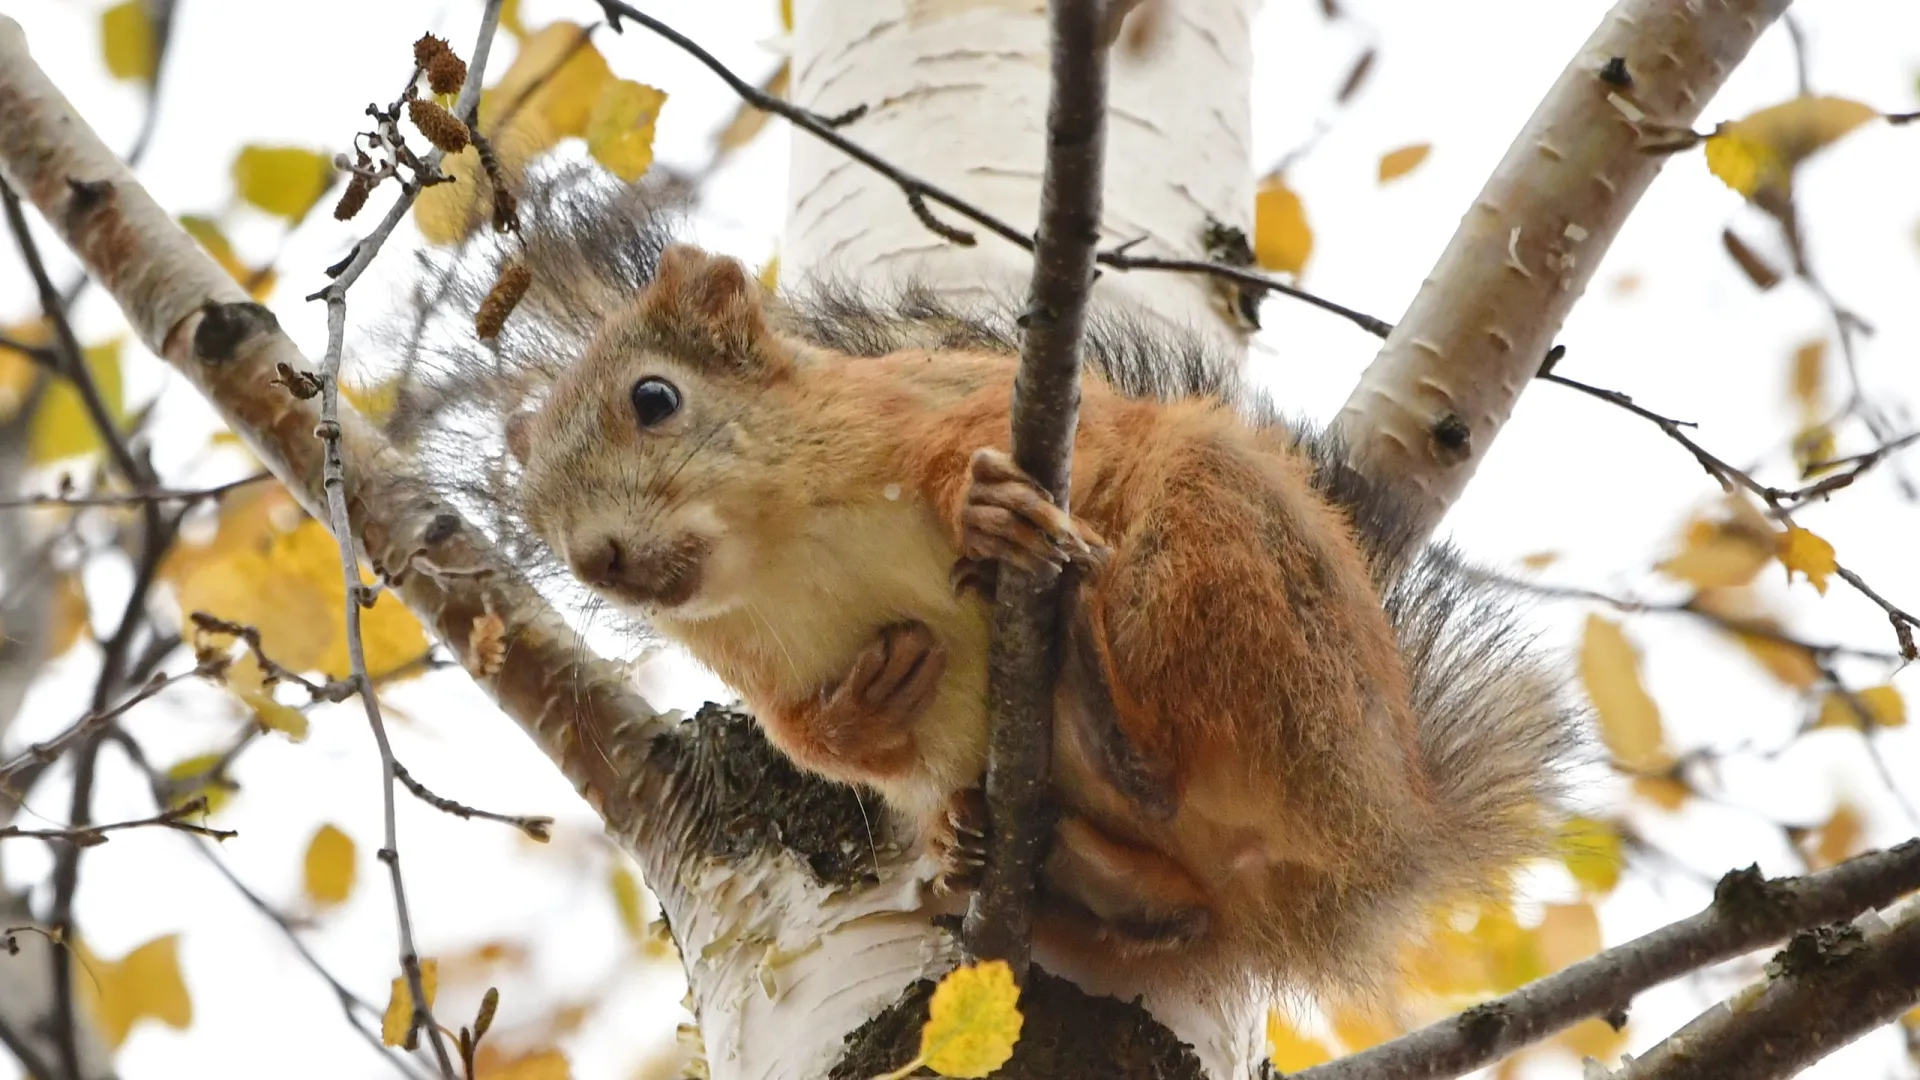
x,y
654,400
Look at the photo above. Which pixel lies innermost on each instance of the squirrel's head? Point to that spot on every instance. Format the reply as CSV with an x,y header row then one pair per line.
x,y
642,466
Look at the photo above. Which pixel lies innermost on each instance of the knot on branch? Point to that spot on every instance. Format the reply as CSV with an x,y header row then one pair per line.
x,y
224,328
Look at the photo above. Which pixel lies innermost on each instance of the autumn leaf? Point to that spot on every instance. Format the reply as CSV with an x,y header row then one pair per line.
x,y
126,41
620,129
1593,1039
63,427
198,768
1629,719
1539,560
145,984
1759,631
258,283
1290,1051
1809,375
786,15
1397,163
398,1019
1662,791
626,901
17,370
329,866
748,121
1756,156
1568,933
1883,705
558,76
1721,553
1591,850
972,1023
1814,450
1282,240
1836,840
282,180
70,617
1361,1028
249,683
540,1065
1804,553
1495,955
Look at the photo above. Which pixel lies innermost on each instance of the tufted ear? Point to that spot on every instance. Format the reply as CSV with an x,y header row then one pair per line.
x,y
706,307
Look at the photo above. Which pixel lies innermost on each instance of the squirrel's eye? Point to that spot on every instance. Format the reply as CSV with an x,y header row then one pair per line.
x,y
654,400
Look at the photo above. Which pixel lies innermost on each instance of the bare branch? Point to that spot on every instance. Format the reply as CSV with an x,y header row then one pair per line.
x,y
1826,989
135,498
1022,660
1748,912
1430,404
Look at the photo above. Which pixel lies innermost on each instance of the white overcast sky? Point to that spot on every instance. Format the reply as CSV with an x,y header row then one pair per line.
x,y
1694,340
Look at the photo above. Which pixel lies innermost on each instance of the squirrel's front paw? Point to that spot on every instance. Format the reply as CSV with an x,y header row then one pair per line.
x,y
865,724
1008,517
958,841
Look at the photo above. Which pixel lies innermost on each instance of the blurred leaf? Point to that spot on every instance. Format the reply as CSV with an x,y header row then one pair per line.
x,y
1282,240
748,121
620,129
1883,703
1568,933
1593,1039
126,39
16,369
1666,793
549,1064
249,683
770,273
1756,156
216,795
282,180
1809,377
1814,450
1629,719
1592,852
145,984
399,1015
446,213
63,428
1804,553
70,617
558,76
626,900
1540,560
1397,163
1836,840
1495,955
330,866
1288,1050
1361,1028
374,401
258,283
1722,553
786,15
1751,263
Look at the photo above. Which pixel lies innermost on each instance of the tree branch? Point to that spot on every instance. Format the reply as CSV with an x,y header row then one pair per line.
x,y
1430,404
1022,659
1748,912
1826,989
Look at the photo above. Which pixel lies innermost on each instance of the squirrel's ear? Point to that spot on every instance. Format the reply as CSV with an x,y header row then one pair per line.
x,y
709,303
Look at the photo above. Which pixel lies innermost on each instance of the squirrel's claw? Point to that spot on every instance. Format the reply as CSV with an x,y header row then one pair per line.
x,y
959,842
1010,518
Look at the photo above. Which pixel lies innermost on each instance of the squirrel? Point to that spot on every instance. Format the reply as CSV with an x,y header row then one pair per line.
x,y
1284,732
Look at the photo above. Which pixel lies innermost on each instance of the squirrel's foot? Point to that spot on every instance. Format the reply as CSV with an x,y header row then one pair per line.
x,y
1010,518
865,722
959,841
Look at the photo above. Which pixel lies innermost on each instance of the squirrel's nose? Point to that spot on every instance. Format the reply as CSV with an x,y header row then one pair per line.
x,y
599,562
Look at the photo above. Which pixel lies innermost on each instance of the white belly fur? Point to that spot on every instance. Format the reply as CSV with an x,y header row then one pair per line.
x,y
814,601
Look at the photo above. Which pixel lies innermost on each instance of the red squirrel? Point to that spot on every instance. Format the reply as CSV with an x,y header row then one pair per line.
x,y
1282,736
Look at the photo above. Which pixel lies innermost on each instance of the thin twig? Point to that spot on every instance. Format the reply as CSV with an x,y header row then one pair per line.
x,y
536,827
1022,663
1747,913
95,835
334,480
42,754
135,498
918,191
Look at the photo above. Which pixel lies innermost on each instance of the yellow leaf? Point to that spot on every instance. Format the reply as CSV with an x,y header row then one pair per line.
x,y
1809,374
1814,450
63,427
1282,240
70,615
399,1015
1756,156
1540,560
18,371
558,75
620,128
1664,792
197,767
972,1021
510,19
540,1065
446,213
249,683
126,39
259,283
282,180
1397,163
330,866
626,900
1721,554
1290,1051
1594,1039
1629,719
786,15
1491,956
1882,703
1591,851
145,984
1803,552
374,401
1836,840
1568,934
770,273
1358,1029
747,121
